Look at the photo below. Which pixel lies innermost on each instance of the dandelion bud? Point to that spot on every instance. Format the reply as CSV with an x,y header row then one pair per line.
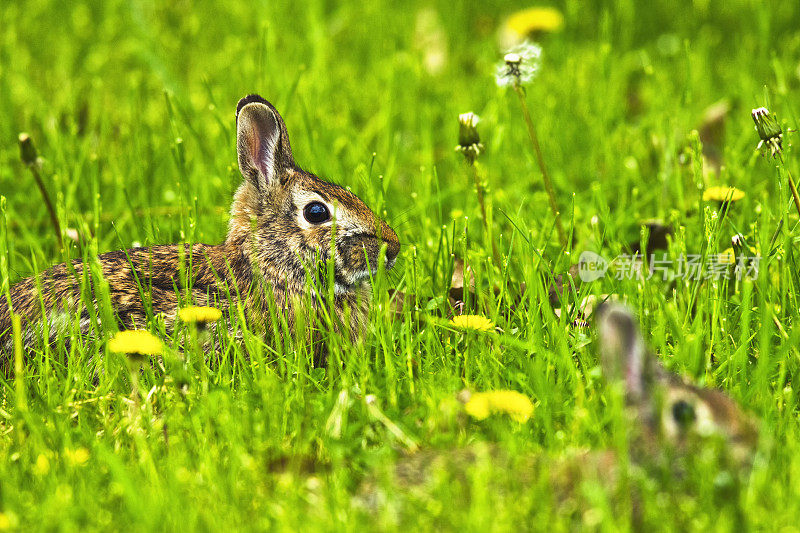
x,y
469,141
766,125
468,132
740,247
769,131
27,151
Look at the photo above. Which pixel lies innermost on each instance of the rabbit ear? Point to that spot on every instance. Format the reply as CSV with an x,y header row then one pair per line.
x,y
623,352
262,143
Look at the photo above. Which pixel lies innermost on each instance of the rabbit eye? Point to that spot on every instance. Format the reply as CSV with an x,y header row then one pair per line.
x,y
316,213
683,413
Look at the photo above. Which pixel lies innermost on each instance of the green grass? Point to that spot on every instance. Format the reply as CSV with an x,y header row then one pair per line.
x,y
131,106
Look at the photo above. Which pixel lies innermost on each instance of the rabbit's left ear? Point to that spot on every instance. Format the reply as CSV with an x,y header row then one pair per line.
x,y
623,352
262,143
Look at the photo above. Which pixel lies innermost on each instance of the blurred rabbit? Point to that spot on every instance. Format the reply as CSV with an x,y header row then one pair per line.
x,y
667,410
670,421
281,232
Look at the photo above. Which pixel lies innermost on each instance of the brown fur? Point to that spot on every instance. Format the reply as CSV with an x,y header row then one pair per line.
x,y
269,252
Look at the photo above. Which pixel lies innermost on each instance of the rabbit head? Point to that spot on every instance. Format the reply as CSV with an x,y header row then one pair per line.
x,y
669,411
289,220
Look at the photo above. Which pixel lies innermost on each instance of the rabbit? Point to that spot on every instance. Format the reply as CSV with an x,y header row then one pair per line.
x,y
281,224
670,420
667,410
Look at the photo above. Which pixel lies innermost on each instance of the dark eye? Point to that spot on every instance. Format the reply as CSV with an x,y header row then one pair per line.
x,y
683,413
316,213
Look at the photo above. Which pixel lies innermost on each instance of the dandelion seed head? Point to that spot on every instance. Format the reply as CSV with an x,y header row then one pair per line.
x,y
520,65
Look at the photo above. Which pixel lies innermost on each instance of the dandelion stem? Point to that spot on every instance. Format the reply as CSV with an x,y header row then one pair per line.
x,y
31,160
482,202
134,411
479,190
548,184
792,186
49,204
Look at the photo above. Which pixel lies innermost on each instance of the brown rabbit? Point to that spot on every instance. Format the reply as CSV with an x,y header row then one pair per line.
x,y
668,411
670,422
280,230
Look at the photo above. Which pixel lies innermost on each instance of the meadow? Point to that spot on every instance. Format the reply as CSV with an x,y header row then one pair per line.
x,y
639,106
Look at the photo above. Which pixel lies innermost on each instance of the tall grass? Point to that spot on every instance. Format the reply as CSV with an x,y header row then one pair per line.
x,y
131,106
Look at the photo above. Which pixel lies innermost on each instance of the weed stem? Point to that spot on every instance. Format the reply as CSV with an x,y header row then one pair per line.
x,y
548,184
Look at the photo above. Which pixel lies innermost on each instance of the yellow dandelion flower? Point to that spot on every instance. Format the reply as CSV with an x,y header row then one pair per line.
x,y
531,22
727,257
535,19
135,342
516,405
8,521
474,322
478,406
78,456
722,194
42,465
198,314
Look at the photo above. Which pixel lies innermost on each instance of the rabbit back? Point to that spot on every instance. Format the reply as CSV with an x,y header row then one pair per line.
x,y
141,282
